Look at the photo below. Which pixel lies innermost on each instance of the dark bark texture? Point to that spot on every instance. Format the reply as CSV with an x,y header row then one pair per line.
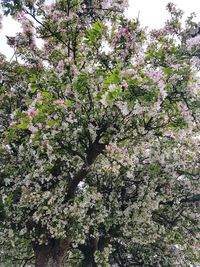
x,y
53,254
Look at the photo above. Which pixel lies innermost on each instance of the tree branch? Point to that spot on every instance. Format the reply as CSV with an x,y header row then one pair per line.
x,y
55,34
94,150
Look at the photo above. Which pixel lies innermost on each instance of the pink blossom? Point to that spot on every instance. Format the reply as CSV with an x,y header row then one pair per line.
x,y
125,85
130,72
112,87
123,30
184,109
45,142
194,42
68,91
109,148
32,113
59,102
156,75
33,129
60,65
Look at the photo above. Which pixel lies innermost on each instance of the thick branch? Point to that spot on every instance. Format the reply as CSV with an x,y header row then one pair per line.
x,y
94,150
81,174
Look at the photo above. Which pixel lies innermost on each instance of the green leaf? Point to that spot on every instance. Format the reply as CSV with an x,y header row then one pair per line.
x,y
45,93
33,90
22,126
93,34
68,103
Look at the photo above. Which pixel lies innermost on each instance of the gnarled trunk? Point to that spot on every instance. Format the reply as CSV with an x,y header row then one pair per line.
x,y
52,255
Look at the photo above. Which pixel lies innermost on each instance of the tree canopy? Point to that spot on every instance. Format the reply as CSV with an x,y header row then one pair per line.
x,y
99,131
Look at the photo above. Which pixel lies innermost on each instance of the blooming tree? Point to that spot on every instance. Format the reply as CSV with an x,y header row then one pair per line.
x,y
99,138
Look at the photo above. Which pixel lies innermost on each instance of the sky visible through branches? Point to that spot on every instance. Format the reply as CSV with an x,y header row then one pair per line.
x,y
152,14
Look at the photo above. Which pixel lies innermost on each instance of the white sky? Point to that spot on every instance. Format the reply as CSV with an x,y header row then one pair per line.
x,y
152,13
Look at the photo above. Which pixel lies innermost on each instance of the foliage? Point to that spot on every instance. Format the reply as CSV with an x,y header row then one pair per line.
x,y
99,137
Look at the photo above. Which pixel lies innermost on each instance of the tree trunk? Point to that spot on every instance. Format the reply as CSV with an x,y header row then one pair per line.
x,y
89,262
52,255
88,251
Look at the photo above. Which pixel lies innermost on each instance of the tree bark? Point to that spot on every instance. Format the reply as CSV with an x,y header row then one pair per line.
x,y
53,254
88,253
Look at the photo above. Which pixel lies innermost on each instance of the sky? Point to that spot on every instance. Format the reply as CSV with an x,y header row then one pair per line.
x,y
152,13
